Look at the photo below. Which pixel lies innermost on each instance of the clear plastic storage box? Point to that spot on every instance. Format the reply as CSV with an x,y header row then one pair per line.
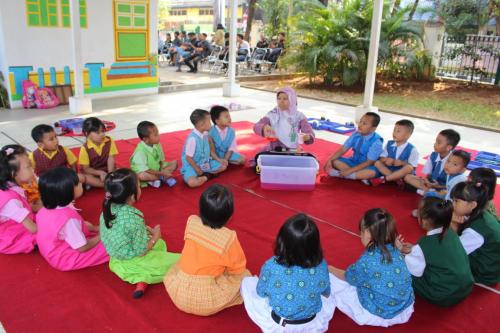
x,y
287,172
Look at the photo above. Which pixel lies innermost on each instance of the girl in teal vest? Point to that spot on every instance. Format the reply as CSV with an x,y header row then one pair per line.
x,y
438,262
479,231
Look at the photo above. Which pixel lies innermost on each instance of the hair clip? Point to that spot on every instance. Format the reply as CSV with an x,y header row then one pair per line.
x,y
9,151
107,195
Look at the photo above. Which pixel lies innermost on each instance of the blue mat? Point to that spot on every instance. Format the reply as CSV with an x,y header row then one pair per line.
x,y
485,159
327,125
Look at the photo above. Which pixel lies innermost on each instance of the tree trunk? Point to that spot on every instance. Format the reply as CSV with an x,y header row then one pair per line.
x,y
413,9
394,6
251,14
324,2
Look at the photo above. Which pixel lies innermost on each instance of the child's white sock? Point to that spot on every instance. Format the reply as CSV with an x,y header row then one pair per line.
x,y
334,173
351,176
155,183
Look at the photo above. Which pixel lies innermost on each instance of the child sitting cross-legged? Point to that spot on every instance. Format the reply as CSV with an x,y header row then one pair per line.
x,y
292,293
65,240
222,138
455,168
137,253
488,178
197,165
367,147
376,290
148,159
434,174
399,157
208,276
438,262
17,221
97,155
49,154
479,231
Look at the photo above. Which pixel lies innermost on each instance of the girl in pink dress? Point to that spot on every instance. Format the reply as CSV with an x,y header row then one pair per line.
x,y
64,239
17,221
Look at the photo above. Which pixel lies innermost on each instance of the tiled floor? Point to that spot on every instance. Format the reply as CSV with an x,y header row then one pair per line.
x,y
171,112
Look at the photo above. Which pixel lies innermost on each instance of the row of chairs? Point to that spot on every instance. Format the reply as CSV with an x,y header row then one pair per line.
x,y
254,62
218,61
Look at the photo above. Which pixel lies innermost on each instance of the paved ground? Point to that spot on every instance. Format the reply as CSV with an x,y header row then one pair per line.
x,y
171,112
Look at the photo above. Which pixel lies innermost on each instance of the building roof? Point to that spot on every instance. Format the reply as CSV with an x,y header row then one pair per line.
x,y
194,3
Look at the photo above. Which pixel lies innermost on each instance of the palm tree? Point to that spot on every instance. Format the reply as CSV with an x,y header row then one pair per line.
x,y
334,41
413,9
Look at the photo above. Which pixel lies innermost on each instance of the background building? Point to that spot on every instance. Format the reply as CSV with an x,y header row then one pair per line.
x,y
118,41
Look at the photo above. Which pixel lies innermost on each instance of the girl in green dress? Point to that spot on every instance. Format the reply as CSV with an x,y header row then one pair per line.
x,y
137,253
488,178
479,231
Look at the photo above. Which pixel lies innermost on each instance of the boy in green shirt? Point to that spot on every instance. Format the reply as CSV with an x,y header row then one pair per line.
x,y
148,159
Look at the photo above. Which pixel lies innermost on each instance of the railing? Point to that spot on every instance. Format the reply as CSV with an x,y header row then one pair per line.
x,y
473,58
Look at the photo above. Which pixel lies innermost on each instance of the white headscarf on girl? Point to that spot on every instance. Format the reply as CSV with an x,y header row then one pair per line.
x,y
285,123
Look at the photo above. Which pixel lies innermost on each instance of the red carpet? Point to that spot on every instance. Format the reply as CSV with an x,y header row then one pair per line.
x,y
35,297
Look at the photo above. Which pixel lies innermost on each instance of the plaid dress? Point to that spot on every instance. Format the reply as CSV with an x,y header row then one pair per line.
x,y
204,287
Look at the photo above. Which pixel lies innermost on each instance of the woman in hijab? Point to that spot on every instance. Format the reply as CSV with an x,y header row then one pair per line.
x,y
284,126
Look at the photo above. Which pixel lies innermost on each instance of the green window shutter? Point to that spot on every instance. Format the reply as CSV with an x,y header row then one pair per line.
x,y
66,22
83,14
132,44
124,21
43,13
32,7
139,9
122,8
139,22
33,19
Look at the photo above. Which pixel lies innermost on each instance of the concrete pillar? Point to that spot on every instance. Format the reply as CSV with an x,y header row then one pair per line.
x,y
434,33
230,88
371,70
78,104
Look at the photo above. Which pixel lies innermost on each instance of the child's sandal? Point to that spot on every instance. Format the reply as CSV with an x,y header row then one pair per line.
x,y
140,288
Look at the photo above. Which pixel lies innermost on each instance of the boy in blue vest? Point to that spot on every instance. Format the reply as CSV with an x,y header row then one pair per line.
x,y
222,138
399,158
455,168
367,147
148,159
434,174
197,165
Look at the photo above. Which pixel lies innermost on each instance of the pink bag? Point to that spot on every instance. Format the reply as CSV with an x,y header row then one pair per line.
x,y
45,98
41,98
29,91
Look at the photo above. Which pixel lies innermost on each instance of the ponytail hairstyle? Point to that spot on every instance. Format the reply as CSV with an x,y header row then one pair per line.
x,y
471,191
487,177
9,164
382,228
119,185
437,212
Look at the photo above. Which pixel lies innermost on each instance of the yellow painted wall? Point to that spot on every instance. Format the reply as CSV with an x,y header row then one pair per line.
x,y
33,76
